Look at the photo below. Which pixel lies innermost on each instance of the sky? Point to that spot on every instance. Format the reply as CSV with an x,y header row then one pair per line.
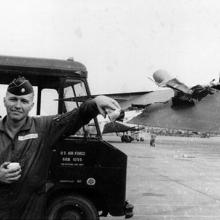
x,y
121,42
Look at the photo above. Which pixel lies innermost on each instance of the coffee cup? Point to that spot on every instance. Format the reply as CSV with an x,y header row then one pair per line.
x,y
13,166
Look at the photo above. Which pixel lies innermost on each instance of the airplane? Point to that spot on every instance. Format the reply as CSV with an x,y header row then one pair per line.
x,y
129,132
188,108
126,131
175,106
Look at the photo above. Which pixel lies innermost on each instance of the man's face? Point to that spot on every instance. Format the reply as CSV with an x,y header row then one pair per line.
x,y
18,107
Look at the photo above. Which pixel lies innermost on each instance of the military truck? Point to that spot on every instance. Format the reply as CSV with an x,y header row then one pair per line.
x,y
87,178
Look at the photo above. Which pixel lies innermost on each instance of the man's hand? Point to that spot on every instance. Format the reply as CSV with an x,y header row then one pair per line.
x,y
9,175
103,103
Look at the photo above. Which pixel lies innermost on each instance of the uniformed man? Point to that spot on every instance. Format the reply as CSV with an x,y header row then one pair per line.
x,y
27,141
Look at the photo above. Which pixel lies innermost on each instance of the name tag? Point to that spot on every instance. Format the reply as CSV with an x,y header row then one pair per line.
x,y
28,136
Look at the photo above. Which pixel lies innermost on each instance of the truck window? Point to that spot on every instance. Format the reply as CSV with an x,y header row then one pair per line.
x,y
73,90
49,103
76,89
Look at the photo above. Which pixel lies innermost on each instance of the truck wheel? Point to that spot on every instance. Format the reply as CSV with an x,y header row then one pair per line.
x,y
128,139
73,207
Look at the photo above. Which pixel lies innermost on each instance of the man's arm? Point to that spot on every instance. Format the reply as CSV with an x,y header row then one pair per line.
x,y
102,105
72,121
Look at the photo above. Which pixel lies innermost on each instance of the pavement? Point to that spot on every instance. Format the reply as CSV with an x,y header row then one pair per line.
x,y
178,179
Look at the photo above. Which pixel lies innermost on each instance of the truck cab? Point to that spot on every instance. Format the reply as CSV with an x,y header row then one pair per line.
x,y
87,177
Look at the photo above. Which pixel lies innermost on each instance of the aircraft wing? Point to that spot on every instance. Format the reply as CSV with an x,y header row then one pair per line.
x,y
141,99
133,99
117,126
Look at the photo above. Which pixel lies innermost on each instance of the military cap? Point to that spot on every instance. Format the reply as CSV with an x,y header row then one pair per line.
x,y
20,86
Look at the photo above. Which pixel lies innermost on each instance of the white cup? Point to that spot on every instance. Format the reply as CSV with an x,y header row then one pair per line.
x,y
14,166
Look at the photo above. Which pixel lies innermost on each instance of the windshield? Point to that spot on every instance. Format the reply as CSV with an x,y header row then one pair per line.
x,y
74,95
74,90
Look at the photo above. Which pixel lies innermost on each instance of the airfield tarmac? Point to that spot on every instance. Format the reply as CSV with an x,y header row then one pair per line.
x,y
178,179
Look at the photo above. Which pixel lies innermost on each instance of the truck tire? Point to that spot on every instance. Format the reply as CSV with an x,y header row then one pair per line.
x,y
72,207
